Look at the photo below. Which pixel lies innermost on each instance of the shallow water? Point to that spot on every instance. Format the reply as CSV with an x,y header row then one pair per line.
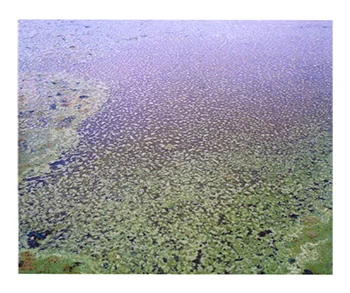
x,y
175,147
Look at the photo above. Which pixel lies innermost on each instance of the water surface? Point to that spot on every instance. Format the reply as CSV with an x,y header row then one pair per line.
x,y
175,147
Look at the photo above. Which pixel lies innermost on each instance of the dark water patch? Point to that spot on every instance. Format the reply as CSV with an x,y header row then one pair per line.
x,y
197,260
293,216
34,237
291,260
264,233
58,164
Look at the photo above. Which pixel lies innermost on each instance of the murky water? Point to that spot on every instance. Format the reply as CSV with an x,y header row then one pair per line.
x,y
175,147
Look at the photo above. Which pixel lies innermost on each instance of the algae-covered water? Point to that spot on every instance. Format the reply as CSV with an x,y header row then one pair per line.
x,y
176,147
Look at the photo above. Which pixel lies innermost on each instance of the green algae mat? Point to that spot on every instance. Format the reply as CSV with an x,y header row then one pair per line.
x,y
207,163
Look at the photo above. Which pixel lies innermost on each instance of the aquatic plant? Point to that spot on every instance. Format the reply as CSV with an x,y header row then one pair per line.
x,y
162,163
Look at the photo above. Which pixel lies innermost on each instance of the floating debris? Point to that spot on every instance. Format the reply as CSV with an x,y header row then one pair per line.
x,y
168,147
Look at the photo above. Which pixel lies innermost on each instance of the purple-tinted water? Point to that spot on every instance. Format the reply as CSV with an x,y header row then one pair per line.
x,y
189,89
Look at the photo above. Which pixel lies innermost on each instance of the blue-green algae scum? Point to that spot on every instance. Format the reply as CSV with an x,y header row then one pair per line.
x,y
175,147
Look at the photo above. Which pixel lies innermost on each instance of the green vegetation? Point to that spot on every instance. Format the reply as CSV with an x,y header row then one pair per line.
x,y
261,216
34,263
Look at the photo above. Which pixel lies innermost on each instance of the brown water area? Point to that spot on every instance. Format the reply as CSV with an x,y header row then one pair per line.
x,y
176,147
